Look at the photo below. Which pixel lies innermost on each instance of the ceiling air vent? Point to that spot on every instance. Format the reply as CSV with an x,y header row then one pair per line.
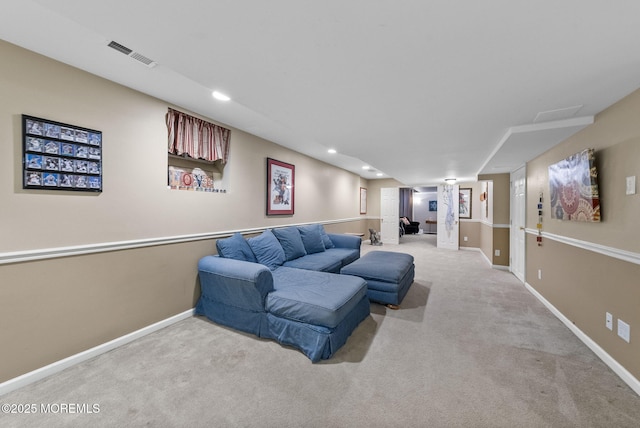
x,y
135,55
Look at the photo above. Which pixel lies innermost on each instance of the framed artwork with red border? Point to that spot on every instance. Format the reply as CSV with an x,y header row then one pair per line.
x,y
281,178
363,200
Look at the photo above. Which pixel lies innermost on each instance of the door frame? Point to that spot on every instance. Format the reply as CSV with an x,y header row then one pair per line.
x,y
517,226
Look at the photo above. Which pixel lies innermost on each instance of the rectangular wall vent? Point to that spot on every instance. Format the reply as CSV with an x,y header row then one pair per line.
x,y
130,53
117,46
143,59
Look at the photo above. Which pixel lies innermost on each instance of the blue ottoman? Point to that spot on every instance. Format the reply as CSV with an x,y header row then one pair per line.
x,y
389,275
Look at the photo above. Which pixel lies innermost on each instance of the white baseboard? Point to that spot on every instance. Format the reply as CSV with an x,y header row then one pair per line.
x,y
58,366
623,373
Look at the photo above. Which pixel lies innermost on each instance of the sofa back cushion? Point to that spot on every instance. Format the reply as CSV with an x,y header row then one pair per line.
x,y
291,242
267,249
311,238
235,247
325,238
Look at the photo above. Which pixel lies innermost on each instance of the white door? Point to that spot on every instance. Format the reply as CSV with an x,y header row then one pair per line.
x,y
448,216
518,222
390,213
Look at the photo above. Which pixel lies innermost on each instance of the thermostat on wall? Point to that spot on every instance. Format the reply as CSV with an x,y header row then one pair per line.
x,y
631,185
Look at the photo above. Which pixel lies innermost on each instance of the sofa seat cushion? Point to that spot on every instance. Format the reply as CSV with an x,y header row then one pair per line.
x,y
321,262
331,260
347,255
318,298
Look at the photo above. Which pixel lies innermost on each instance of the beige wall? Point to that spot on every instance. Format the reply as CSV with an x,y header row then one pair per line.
x,y
470,230
471,227
501,196
499,218
582,283
51,309
373,194
486,240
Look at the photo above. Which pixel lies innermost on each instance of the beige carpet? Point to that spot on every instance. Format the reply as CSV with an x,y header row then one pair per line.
x,y
470,347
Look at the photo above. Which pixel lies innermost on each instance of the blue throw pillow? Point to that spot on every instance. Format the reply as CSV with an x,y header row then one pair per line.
x,y
267,249
291,242
235,247
325,238
311,238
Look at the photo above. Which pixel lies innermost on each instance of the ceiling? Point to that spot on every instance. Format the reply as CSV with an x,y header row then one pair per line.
x,y
416,90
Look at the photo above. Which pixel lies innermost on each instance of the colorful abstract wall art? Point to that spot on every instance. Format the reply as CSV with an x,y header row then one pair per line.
x,y
574,188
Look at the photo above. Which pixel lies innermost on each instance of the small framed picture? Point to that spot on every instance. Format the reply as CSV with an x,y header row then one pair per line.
x,y
81,136
67,149
94,153
280,187
50,179
33,178
67,133
66,165
95,183
51,130
81,182
33,161
52,147
465,203
81,151
80,166
51,163
34,127
363,200
34,144
95,139
66,180
93,167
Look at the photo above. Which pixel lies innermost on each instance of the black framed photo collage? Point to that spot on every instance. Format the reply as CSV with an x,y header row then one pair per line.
x,y
58,156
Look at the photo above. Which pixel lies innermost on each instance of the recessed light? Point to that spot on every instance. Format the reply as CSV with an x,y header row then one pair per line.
x,y
332,151
366,167
220,96
379,174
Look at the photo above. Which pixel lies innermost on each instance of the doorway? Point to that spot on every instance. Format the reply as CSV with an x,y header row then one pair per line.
x,y
425,208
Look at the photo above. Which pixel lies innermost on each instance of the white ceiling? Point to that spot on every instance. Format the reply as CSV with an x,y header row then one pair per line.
x,y
418,90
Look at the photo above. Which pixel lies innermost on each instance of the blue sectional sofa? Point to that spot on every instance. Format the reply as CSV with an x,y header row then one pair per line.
x,y
284,285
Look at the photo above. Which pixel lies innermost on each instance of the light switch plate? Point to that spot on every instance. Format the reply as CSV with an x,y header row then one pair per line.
x,y
631,185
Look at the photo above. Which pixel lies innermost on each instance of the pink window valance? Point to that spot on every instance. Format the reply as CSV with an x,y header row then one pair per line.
x,y
197,138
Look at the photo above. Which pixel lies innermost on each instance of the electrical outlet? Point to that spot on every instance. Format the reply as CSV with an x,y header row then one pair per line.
x,y
539,273
609,321
497,253
466,238
624,330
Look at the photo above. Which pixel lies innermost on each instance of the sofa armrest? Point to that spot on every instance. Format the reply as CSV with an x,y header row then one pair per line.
x,y
237,283
345,241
